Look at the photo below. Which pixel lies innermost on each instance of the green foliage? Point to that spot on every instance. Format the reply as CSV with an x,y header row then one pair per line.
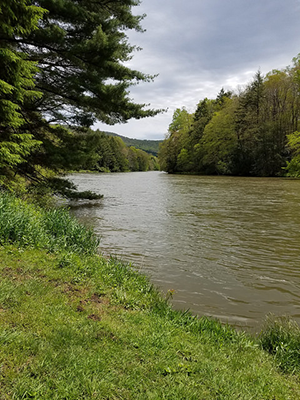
x,y
66,233
26,225
81,48
181,121
253,133
138,159
176,140
281,337
61,150
149,146
219,141
203,115
293,166
18,18
67,149
115,156
16,84
183,160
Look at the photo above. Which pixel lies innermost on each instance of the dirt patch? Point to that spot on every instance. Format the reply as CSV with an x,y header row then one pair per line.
x,y
17,274
94,317
99,299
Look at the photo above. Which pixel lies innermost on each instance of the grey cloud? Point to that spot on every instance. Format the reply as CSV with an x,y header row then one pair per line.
x,y
200,46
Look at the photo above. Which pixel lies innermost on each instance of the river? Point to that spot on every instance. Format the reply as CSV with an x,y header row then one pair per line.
x,y
228,246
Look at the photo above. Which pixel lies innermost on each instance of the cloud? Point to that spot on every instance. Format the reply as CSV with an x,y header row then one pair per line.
x,y
198,47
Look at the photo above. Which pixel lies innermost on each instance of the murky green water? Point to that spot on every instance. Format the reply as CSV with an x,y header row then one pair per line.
x,y
230,247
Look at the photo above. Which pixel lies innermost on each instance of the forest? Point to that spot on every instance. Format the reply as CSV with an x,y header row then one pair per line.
x,y
251,133
149,146
110,154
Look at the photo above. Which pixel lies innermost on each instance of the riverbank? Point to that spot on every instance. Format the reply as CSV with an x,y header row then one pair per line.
x,y
74,325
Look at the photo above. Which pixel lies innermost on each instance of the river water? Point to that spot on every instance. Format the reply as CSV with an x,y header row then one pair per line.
x,y
228,246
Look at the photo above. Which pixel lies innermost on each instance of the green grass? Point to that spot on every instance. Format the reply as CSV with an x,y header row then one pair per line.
x,y
74,325
27,225
90,328
281,337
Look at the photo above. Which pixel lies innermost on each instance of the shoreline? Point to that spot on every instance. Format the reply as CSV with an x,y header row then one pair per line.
x,y
76,325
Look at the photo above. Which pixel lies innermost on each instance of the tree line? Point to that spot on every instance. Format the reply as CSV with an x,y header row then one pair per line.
x,y
63,67
149,146
252,133
108,153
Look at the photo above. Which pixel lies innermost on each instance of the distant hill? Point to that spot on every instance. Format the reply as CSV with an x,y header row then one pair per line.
x,y
149,146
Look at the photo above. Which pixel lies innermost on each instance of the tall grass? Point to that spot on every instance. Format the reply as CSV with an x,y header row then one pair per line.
x,y
66,233
280,336
24,224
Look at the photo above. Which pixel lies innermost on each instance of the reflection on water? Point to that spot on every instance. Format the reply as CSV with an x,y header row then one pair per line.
x,y
230,247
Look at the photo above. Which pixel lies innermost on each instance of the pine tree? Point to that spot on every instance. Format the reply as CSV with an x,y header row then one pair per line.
x,y
77,58
17,18
81,48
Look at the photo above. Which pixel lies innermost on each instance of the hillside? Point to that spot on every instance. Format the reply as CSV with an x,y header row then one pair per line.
x,y
149,146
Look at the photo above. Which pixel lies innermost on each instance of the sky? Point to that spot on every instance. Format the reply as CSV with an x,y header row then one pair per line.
x,y
200,46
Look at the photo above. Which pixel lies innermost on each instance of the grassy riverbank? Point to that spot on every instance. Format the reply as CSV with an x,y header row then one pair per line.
x,y
74,325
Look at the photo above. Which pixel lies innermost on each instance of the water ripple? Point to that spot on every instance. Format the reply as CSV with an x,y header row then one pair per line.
x,y
230,247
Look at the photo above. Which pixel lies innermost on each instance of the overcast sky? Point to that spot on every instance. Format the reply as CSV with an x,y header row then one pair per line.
x,y
199,46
